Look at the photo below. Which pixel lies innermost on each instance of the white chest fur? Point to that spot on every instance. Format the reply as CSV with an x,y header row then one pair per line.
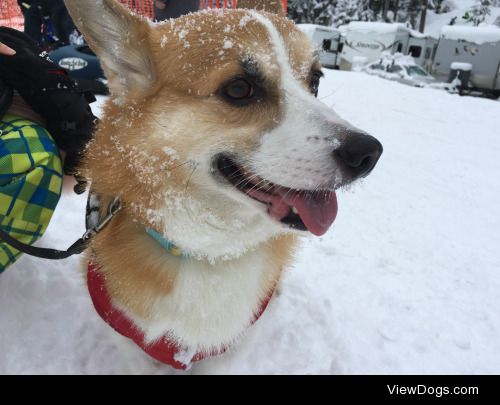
x,y
210,306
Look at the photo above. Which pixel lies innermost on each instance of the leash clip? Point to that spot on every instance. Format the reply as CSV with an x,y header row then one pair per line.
x,y
113,208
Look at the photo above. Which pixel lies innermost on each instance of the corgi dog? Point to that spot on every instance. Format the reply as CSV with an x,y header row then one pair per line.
x,y
221,155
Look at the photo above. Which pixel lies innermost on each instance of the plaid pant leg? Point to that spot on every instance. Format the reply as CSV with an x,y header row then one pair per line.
x,y
30,182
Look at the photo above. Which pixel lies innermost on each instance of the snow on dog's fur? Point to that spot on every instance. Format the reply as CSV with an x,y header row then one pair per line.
x,y
190,97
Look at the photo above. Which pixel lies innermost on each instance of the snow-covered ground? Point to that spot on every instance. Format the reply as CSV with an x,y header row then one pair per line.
x,y
406,281
434,21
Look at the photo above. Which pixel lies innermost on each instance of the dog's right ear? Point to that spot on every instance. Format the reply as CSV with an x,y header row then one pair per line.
x,y
119,39
273,6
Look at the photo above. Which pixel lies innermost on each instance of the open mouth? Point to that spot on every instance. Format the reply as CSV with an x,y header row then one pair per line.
x,y
304,210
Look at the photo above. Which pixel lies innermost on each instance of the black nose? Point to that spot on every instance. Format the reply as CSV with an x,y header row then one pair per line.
x,y
359,153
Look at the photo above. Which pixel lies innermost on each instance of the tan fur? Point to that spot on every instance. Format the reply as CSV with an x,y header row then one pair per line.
x,y
166,79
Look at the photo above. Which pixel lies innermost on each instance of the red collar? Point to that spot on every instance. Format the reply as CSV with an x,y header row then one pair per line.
x,y
164,349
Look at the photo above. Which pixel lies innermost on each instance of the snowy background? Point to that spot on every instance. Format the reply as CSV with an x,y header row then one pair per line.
x,y
439,12
406,281
434,21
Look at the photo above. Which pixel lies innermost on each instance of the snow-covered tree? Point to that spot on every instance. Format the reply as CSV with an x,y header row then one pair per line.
x,y
339,12
441,6
346,11
408,11
478,12
333,12
311,11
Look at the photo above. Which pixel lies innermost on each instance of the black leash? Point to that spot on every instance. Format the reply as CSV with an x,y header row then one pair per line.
x,y
76,248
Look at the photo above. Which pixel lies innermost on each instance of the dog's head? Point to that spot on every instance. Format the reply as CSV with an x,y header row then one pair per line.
x,y
213,134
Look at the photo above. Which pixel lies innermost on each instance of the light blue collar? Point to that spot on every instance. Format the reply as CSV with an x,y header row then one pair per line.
x,y
166,244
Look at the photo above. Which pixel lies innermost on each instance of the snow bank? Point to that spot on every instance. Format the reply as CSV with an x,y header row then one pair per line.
x,y
418,34
358,62
477,35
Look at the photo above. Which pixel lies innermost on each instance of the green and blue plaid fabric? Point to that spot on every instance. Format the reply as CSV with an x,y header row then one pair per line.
x,y
30,182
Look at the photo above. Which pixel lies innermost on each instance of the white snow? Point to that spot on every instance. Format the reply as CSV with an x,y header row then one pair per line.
x,y
245,20
434,22
163,41
373,27
378,27
417,34
358,62
310,29
467,67
478,35
406,281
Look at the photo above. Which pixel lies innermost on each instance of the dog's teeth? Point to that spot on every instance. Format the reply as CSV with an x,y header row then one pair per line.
x,y
294,210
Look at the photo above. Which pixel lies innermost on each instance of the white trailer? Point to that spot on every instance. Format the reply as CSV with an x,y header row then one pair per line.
x,y
422,48
478,48
327,39
369,39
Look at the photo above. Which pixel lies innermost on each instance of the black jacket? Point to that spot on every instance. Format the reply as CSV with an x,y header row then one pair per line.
x,y
50,92
5,98
176,8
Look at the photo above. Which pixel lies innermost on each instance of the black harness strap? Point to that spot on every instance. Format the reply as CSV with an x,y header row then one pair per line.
x,y
76,248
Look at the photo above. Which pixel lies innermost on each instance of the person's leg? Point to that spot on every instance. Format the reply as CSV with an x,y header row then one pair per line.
x,y
176,8
62,23
159,13
30,182
33,23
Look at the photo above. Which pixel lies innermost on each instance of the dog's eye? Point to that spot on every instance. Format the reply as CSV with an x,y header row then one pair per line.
x,y
238,91
316,76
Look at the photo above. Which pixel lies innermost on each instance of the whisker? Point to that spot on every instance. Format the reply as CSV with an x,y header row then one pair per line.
x,y
179,165
329,95
195,166
256,186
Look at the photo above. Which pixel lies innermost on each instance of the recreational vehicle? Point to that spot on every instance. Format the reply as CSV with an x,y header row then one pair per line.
x,y
422,48
370,39
327,40
477,49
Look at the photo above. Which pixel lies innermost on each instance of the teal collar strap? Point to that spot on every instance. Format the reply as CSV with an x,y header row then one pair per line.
x,y
166,244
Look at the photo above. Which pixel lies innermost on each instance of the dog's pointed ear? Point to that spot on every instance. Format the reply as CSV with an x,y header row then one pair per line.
x,y
273,6
120,40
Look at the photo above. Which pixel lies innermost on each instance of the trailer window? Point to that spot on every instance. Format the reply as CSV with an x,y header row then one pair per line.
x,y
327,44
400,47
415,51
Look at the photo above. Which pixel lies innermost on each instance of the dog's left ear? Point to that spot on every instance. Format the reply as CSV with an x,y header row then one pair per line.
x,y
273,6
119,39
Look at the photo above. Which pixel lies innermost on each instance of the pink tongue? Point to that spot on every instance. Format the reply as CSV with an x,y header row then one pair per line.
x,y
316,210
